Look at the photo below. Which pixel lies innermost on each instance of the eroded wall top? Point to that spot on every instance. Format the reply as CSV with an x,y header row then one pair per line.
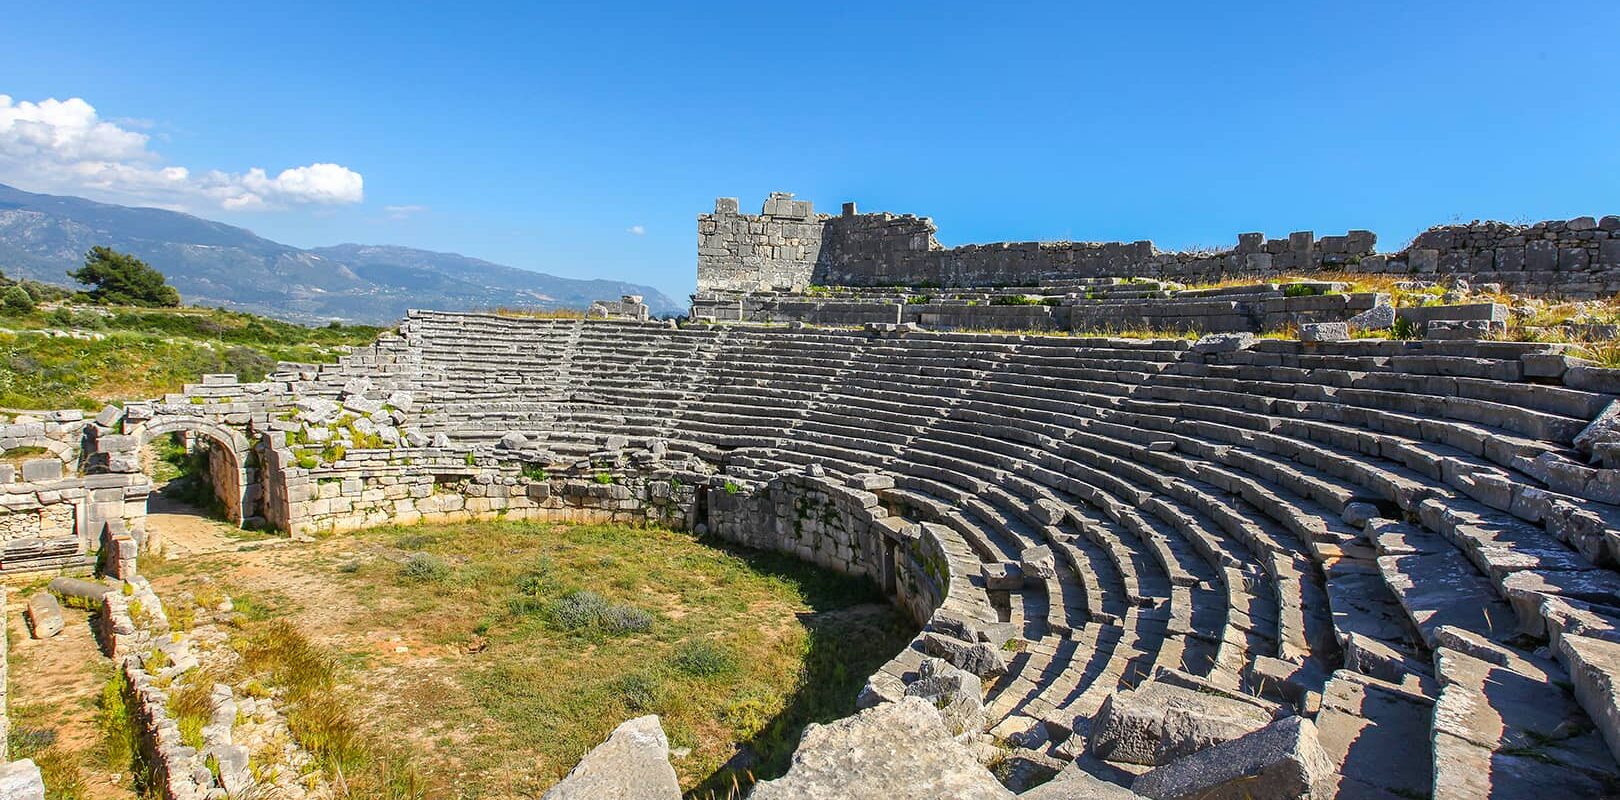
x,y
789,246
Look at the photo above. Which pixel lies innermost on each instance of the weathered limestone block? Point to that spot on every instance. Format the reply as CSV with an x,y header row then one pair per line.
x,y
894,750
1159,722
89,593
1594,669
1224,343
41,469
21,780
1281,761
1073,783
633,764
957,694
1002,577
44,615
978,658
1377,318
1603,429
1324,332
1038,564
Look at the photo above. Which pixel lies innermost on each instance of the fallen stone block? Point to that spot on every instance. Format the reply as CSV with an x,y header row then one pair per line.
x,y
894,750
1002,577
1324,332
1038,564
21,780
958,696
1224,343
633,764
1073,783
1281,761
1157,723
44,615
1377,318
78,593
978,658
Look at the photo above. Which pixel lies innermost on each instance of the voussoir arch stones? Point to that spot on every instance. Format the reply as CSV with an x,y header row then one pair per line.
x,y
231,439
62,450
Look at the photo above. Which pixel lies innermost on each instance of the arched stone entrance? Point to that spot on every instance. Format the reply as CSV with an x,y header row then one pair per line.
x,y
231,472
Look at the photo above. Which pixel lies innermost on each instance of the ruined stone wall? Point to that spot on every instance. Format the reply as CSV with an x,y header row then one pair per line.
x,y
1577,258
1257,308
227,476
838,526
379,488
743,252
54,522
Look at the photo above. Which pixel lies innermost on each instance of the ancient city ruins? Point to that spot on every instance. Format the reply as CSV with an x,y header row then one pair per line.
x,y
1286,556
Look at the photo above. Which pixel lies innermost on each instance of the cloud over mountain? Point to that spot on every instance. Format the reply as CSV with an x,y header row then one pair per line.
x,y
65,145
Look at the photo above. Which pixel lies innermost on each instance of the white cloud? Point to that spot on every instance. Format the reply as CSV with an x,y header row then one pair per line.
x,y
404,212
64,146
637,230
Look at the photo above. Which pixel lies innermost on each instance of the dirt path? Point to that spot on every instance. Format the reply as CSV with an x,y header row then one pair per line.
x,y
184,531
55,685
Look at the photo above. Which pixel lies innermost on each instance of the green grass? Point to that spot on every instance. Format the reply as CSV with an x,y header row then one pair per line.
x,y
65,769
556,634
148,352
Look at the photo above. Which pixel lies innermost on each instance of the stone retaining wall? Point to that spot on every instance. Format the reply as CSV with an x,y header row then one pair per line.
x,y
837,525
1257,308
409,486
789,246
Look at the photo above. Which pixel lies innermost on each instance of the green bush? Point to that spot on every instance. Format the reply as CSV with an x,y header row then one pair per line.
x,y
17,301
425,568
638,691
703,659
583,610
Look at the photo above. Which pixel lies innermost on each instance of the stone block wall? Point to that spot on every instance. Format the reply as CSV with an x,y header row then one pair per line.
x,y
55,524
831,524
378,488
1255,309
789,246
743,252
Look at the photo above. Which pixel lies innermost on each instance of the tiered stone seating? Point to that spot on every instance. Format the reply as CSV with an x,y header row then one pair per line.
x,y
1356,530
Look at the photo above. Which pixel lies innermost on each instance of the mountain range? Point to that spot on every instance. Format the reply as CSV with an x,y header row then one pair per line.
x,y
43,236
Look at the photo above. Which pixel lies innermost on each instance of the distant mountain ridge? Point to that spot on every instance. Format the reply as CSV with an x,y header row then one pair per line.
x,y
43,236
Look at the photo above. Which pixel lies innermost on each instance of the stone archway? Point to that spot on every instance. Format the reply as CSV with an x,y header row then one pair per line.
x,y
233,481
65,452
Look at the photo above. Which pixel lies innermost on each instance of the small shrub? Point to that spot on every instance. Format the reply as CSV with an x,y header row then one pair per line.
x,y
604,478
639,691
703,659
577,610
535,472
425,568
732,487
16,301
622,620
1300,290
583,610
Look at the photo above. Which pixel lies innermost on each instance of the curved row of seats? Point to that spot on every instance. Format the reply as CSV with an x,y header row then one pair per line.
x,y
1346,527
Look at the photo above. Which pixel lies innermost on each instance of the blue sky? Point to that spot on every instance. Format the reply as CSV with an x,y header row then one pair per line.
x,y
582,139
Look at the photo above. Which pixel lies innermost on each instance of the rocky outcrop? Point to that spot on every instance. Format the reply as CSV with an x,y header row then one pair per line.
x,y
633,764
894,750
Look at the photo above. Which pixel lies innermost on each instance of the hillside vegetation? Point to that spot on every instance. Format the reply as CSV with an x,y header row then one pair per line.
x,y
86,356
